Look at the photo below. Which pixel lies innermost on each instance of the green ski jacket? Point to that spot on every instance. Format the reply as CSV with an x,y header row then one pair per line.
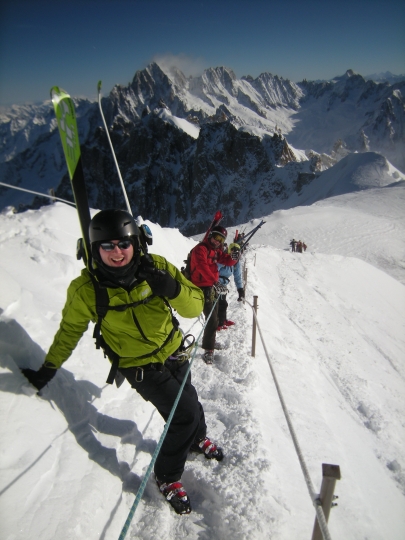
x,y
133,332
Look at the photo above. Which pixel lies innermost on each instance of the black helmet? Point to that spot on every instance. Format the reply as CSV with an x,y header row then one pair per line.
x,y
112,225
219,230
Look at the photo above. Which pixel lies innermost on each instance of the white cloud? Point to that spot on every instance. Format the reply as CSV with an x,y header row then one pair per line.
x,y
187,64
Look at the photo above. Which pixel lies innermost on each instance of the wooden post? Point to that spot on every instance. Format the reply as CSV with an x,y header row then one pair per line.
x,y
255,306
245,273
330,473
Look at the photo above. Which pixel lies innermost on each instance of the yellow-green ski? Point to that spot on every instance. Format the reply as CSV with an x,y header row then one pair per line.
x,y
66,118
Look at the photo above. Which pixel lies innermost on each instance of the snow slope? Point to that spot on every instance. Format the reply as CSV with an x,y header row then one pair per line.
x,y
333,321
181,123
355,172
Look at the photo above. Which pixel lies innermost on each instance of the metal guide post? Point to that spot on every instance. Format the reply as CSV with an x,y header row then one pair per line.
x,y
255,306
330,473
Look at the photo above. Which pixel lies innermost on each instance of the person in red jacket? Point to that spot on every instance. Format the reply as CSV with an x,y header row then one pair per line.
x,y
205,274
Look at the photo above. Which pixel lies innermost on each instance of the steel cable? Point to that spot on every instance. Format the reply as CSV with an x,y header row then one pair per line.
x,y
314,497
37,193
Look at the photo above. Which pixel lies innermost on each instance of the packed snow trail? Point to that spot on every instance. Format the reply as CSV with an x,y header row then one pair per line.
x,y
225,399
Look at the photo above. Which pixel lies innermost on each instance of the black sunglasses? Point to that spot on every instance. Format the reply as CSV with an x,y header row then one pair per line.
x,y
110,246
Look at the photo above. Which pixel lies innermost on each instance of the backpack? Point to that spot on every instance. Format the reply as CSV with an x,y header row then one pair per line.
x,y
186,270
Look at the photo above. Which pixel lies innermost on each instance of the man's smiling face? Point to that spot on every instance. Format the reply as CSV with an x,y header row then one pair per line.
x,y
119,256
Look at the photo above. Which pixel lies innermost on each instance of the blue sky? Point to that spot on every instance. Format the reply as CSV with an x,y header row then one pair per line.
x,y
74,44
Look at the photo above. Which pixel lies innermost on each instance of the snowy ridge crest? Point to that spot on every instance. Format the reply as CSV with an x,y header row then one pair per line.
x,y
333,323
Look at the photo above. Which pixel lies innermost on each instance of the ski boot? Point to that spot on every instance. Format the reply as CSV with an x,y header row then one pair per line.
x,y
176,495
208,448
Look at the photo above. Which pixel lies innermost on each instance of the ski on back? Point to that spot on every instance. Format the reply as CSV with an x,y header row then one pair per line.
x,y
244,241
66,118
216,221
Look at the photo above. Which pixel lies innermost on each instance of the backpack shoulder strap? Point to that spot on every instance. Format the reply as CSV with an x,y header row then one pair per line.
x,y
102,305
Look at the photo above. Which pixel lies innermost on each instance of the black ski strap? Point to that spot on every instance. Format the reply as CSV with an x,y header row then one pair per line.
x,y
103,306
175,322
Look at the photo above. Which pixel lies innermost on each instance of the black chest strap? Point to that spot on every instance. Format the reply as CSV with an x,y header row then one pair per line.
x,y
103,306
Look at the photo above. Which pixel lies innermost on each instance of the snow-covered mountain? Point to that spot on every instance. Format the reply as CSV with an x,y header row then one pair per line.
x,y
364,115
187,146
332,319
385,76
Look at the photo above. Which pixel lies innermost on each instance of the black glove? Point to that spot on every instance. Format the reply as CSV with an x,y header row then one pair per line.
x,y
219,288
241,293
235,254
161,282
41,377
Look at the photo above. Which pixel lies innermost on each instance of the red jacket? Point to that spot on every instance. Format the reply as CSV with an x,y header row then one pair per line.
x,y
203,264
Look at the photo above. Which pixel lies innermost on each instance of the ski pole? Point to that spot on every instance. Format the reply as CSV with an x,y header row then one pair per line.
x,y
112,149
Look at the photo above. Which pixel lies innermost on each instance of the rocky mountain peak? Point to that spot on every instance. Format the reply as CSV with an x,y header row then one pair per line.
x,y
188,146
219,80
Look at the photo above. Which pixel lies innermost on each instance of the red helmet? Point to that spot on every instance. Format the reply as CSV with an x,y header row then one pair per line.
x,y
219,230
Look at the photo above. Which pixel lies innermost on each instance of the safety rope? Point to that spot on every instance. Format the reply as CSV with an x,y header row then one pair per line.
x,y
37,193
314,497
162,437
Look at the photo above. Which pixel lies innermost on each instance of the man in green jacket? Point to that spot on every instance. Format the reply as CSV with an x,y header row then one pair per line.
x,y
140,335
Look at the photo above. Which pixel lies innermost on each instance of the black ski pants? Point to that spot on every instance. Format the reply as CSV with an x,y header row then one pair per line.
x,y
222,307
208,341
160,385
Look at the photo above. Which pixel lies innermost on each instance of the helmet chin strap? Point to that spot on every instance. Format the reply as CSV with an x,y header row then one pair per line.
x,y
123,276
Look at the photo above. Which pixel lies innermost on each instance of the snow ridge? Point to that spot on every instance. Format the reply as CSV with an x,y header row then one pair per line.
x,y
333,323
